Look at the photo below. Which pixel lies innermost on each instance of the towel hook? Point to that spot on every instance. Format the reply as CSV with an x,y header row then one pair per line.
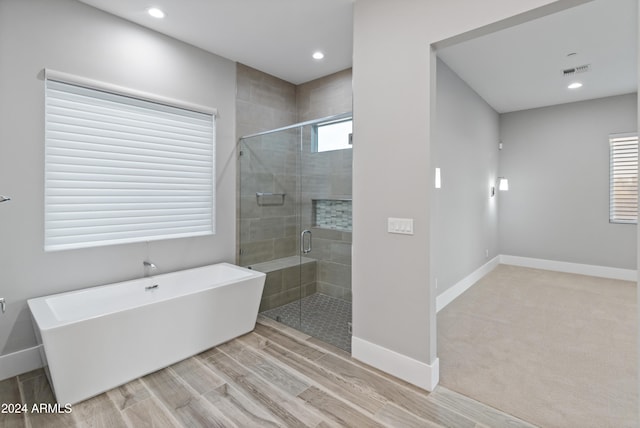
x,y
4,198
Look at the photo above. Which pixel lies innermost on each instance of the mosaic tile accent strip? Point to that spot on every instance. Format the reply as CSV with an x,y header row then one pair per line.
x,y
332,214
323,317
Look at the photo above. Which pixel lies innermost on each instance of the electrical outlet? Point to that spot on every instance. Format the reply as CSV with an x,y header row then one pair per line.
x,y
436,283
486,253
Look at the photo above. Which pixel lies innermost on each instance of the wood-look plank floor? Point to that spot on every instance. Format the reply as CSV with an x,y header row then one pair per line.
x,y
271,377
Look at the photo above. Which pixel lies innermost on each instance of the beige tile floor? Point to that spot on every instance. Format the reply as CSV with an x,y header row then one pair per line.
x,y
555,349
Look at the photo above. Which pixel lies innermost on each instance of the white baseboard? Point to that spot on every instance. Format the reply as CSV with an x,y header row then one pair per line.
x,y
20,362
421,374
460,287
578,268
463,285
426,376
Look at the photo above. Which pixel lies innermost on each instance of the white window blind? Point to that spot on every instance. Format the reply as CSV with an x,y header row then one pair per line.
x,y
623,186
120,169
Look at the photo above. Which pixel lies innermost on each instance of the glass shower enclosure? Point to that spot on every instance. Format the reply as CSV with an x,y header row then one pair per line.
x,y
295,225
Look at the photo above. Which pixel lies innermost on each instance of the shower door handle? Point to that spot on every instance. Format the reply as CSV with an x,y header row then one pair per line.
x,y
303,249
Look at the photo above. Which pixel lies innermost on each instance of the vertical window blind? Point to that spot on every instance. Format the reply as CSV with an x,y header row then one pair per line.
x,y
120,169
623,185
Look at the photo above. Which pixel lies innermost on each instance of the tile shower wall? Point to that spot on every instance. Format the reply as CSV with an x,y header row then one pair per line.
x,y
263,102
327,96
270,232
327,175
267,231
269,224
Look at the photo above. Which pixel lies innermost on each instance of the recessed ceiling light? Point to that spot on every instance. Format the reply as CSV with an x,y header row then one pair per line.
x,y
575,85
155,12
318,55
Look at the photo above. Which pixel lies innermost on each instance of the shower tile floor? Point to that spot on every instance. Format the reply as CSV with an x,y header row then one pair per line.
x,y
323,317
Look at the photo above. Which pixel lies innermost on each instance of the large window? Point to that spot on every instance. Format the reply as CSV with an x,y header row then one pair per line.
x,y
333,135
122,169
623,185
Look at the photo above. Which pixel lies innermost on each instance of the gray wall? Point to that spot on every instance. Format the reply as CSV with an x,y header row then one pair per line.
x,y
556,159
465,147
557,162
394,97
69,36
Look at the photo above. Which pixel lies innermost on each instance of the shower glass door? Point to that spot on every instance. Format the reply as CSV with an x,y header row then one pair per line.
x,y
294,222
270,225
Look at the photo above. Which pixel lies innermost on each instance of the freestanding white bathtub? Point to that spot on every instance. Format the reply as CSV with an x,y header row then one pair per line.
x,y
102,337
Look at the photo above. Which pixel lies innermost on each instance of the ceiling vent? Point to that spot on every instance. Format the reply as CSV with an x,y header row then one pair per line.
x,y
576,70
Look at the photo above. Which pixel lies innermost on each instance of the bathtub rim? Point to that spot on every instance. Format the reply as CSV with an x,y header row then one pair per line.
x,y
44,318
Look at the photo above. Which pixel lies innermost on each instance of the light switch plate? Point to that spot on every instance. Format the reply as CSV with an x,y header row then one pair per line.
x,y
403,226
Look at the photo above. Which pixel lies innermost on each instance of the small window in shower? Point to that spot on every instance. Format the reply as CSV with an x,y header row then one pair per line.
x,y
333,135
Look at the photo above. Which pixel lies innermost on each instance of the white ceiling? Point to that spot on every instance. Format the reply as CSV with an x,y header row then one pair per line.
x,y
274,36
513,69
521,67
